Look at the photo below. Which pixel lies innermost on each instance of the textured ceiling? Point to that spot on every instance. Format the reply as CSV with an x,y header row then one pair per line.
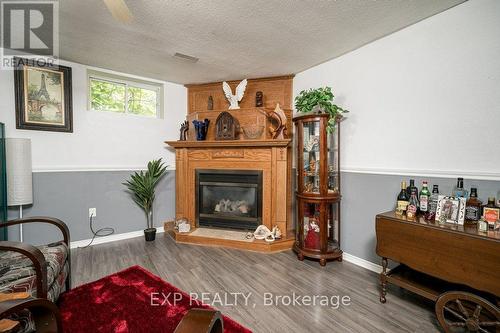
x,y
233,39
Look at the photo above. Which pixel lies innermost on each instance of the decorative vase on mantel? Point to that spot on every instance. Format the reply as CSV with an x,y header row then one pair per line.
x,y
201,129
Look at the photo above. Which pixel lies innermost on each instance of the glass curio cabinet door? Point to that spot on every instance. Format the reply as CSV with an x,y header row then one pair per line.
x,y
318,188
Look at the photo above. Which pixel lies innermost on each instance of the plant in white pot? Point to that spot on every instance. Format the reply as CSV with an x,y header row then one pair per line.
x,y
141,186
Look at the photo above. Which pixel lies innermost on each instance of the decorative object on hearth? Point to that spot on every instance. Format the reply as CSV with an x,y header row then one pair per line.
x,y
318,191
226,127
183,131
201,129
320,100
142,187
276,232
210,103
253,131
180,221
278,117
237,97
259,99
19,175
43,96
125,300
450,210
262,232
184,226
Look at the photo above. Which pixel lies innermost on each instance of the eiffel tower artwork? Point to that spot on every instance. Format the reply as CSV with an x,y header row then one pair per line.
x,y
43,96
42,92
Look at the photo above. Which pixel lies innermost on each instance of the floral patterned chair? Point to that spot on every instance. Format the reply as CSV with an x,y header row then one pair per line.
x,y
43,271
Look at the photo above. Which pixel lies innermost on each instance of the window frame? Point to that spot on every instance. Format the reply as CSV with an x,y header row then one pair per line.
x,y
127,81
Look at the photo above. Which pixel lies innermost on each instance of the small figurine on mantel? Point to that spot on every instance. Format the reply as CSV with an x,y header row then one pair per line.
x,y
237,97
259,99
278,116
210,103
183,130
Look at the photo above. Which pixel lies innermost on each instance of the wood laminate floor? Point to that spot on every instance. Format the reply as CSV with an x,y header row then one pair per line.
x,y
218,271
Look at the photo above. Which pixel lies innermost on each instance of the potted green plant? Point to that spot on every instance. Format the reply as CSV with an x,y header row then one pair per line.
x,y
320,100
141,186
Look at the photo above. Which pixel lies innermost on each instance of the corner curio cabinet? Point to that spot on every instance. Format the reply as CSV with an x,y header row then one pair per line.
x,y
318,189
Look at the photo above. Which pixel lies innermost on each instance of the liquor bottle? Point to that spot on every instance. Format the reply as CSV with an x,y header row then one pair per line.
x,y
459,190
411,187
432,205
482,225
491,212
402,200
473,207
411,210
424,198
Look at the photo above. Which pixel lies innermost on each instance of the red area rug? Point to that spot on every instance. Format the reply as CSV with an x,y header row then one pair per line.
x,y
121,303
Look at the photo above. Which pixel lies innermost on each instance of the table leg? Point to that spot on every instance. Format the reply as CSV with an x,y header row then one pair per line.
x,y
383,281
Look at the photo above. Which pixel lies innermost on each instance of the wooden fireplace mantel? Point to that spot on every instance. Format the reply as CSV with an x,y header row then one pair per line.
x,y
229,143
272,157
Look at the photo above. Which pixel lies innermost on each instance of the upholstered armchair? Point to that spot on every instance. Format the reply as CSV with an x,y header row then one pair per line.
x,y
43,272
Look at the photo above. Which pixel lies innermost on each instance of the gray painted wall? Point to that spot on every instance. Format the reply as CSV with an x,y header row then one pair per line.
x,y
69,195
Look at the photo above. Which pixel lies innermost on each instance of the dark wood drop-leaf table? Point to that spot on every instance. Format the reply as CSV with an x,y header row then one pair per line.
x,y
455,266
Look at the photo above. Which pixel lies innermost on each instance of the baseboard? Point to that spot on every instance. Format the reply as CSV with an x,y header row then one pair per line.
x,y
362,263
111,238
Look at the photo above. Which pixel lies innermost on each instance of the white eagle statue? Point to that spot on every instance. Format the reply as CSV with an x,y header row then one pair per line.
x,y
234,99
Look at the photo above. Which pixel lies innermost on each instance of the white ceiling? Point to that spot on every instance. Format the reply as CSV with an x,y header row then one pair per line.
x,y
233,39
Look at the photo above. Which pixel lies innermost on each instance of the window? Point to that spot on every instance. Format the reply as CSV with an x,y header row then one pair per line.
x,y
114,93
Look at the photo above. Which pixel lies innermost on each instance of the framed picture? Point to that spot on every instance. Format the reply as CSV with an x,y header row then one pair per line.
x,y
450,209
43,96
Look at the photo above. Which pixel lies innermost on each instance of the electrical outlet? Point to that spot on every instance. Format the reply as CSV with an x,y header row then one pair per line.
x,y
92,212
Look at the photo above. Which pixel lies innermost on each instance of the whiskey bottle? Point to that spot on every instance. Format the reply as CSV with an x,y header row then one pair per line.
x,y
402,200
459,190
411,187
411,210
491,212
424,198
432,205
473,207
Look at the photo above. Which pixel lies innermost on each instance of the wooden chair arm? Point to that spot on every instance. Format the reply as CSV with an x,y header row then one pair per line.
x,y
36,257
201,321
45,313
42,219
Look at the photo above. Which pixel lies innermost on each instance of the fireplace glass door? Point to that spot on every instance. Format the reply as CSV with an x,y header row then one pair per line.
x,y
229,199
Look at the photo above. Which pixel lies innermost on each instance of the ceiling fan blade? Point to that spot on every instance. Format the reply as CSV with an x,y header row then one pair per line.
x,y
119,10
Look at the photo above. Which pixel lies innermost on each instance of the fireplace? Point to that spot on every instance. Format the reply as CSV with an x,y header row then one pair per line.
x,y
229,198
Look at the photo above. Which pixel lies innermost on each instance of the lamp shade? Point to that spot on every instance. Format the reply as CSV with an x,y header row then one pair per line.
x,y
19,172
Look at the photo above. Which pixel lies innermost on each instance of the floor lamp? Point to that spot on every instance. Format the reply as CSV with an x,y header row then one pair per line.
x,y
19,175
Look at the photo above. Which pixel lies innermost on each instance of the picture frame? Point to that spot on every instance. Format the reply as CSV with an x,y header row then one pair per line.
x,y
43,93
450,209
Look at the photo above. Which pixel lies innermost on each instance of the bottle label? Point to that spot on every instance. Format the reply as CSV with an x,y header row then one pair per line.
x,y
491,214
472,213
424,200
411,211
401,205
